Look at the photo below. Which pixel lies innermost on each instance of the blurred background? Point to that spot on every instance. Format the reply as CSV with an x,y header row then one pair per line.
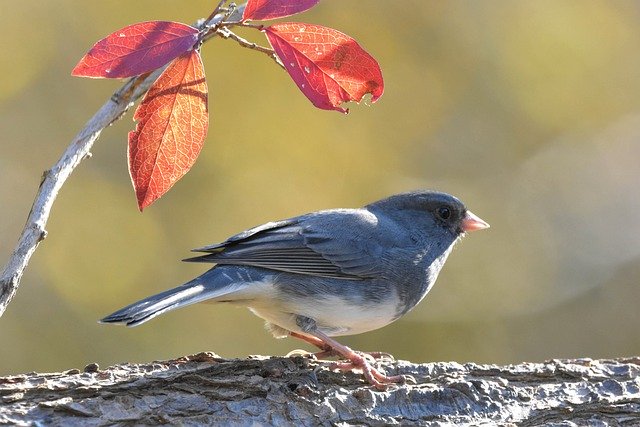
x,y
527,111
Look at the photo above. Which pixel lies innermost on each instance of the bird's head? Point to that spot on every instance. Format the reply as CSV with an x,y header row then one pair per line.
x,y
443,210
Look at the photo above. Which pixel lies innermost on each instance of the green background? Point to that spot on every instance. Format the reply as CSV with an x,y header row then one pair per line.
x,y
528,111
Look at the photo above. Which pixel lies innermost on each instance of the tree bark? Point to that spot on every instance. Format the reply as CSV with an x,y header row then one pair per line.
x,y
206,389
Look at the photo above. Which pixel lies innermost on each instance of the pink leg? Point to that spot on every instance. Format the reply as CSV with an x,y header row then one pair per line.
x,y
328,351
311,340
356,361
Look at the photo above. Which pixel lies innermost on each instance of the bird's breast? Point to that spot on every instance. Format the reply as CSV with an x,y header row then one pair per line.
x,y
345,310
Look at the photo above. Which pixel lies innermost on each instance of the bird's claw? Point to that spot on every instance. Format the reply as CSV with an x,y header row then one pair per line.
x,y
376,378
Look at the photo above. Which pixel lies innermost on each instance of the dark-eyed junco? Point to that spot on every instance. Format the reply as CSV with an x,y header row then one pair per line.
x,y
327,273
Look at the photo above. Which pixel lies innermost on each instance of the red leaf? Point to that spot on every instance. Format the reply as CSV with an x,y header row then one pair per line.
x,y
136,49
172,125
328,66
261,10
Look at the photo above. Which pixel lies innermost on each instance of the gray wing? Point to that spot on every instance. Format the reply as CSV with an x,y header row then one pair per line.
x,y
336,243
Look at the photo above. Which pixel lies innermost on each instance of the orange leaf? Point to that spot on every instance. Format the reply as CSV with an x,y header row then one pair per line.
x,y
172,125
329,67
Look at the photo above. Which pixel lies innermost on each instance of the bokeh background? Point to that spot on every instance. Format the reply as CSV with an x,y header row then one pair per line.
x,y
528,111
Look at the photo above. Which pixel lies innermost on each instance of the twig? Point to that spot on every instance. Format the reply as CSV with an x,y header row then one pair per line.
x,y
228,34
258,27
214,13
53,179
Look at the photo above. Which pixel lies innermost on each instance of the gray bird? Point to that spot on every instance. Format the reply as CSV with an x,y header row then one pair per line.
x,y
327,273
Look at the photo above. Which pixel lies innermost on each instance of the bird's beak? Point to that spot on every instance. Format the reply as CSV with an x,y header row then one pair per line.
x,y
471,222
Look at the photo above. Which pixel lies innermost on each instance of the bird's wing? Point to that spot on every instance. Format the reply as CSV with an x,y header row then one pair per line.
x,y
333,243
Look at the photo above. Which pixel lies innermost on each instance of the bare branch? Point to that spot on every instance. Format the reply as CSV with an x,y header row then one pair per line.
x,y
217,10
79,149
228,34
53,180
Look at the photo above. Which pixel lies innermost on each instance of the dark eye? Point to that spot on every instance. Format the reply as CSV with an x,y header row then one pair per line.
x,y
444,213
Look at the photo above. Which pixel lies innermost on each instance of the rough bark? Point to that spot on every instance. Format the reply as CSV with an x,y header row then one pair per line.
x,y
205,389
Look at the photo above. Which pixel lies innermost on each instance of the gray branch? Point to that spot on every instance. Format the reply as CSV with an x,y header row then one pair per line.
x,y
207,390
53,179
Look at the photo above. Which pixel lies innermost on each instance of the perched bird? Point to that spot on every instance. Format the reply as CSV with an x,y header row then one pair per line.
x,y
327,273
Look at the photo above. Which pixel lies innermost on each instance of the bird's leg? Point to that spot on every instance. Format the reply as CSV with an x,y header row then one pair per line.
x,y
328,351
309,324
355,360
311,340
358,361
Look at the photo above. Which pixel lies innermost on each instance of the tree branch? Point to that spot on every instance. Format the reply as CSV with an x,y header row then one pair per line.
x,y
226,33
53,179
207,390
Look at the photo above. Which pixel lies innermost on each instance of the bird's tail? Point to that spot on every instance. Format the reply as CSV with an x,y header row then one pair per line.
x,y
211,285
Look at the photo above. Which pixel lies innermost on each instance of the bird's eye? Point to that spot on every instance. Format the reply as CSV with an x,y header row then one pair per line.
x,y
444,213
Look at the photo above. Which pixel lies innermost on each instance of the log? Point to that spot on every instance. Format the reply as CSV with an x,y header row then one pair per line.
x,y
204,389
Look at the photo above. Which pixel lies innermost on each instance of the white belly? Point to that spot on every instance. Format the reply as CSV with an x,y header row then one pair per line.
x,y
333,315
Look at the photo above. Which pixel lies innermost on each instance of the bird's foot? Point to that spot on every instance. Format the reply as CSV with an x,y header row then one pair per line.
x,y
328,351
354,360
372,356
376,378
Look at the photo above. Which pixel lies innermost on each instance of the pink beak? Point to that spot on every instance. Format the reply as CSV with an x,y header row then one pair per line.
x,y
471,222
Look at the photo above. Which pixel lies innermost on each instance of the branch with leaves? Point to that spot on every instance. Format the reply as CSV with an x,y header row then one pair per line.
x,y
329,67
163,60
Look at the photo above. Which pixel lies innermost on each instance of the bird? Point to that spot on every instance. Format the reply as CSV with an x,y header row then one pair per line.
x,y
328,273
